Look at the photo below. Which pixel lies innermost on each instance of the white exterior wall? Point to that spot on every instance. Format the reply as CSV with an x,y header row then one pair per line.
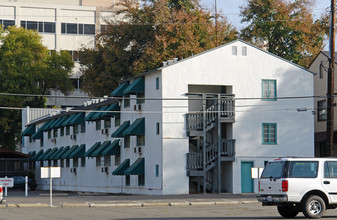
x,y
168,106
245,73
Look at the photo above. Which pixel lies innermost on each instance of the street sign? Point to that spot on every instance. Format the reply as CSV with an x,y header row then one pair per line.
x,y
256,172
50,172
7,182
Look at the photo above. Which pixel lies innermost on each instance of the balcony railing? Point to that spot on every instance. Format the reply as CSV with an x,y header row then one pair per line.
x,y
195,121
195,160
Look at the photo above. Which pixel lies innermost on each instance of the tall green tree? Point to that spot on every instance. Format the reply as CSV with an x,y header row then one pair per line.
x,y
27,67
160,30
285,28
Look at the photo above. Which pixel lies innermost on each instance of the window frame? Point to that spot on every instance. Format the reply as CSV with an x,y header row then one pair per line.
x,y
268,97
269,134
320,109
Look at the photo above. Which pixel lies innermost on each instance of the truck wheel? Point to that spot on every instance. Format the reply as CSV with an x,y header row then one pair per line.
x,y
313,207
287,210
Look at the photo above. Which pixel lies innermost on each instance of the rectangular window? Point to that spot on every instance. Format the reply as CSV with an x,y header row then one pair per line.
x,y
98,125
68,130
41,142
234,50
141,180
117,159
49,134
269,133
107,161
75,162
49,27
83,162
80,31
55,163
62,131
82,128
75,129
126,101
117,121
321,109
74,28
89,29
157,170
49,163
6,23
55,133
140,98
330,169
31,25
71,28
303,169
127,180
126,141
321,70
107,123
140,140
269,90
157,128
98,161
67,162
157,83
244,51
62,163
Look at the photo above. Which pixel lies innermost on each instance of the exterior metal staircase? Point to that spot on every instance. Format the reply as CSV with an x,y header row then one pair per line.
x,y
210,153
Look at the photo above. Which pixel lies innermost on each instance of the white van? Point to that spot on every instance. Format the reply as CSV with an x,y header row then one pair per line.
x,y
294,185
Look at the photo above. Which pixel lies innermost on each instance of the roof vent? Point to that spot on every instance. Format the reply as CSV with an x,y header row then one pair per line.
x,y
170,62
175,60
164,63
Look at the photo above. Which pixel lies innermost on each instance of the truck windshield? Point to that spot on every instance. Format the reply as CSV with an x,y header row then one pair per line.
x,y
273,169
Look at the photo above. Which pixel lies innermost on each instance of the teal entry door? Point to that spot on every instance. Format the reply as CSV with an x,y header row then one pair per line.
x,y
247,183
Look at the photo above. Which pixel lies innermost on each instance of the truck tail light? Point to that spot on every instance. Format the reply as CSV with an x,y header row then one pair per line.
x,y
1,189
259,186
285,186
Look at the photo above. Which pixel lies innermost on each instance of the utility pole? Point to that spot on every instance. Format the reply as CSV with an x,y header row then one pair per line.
x,y
330,92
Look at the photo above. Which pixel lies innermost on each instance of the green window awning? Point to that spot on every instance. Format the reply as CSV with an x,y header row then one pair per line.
x,y
43,155
92,149
121,129
120,90
136,128
77,119
50,125
67,121
29,131
60,154
53,157
60,122
32,153
37,155
47,156
100,149
122,167
79,152
112,111
113,149
91,114
136,87
137,168
68,152
99,112
56,122
39,133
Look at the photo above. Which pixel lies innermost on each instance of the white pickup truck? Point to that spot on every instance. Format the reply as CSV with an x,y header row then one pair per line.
x,y
294,185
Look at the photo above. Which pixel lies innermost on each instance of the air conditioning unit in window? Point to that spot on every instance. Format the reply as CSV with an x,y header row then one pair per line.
x,y
53,140
137,150
105,131
137,107
104,169
74,170
73,137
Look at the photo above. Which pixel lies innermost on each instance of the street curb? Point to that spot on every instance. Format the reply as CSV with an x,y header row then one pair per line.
x,y
72,205
227,203
37,205
180,203
202,203
249,202
129,205
102,205
149,204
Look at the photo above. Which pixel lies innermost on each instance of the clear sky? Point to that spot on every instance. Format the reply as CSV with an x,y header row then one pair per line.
x,y
231,8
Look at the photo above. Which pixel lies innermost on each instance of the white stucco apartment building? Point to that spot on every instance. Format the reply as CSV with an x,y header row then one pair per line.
x,y
194,125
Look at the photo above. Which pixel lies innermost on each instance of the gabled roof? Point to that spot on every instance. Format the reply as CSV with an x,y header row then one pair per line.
x,y
216,48
5,153
326,54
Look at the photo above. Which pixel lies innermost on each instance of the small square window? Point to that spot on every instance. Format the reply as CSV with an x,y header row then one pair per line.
x,y
126,141
244,51
234,50
107,123
140,140
269,90
269,133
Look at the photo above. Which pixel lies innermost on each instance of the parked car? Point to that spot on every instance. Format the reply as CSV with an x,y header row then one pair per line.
x,y
19,183
1,192
294,185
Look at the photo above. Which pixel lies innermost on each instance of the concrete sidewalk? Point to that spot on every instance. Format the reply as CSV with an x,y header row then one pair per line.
x,y
17,198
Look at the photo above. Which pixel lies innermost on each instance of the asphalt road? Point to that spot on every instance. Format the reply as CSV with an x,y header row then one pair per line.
x,y
236,212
